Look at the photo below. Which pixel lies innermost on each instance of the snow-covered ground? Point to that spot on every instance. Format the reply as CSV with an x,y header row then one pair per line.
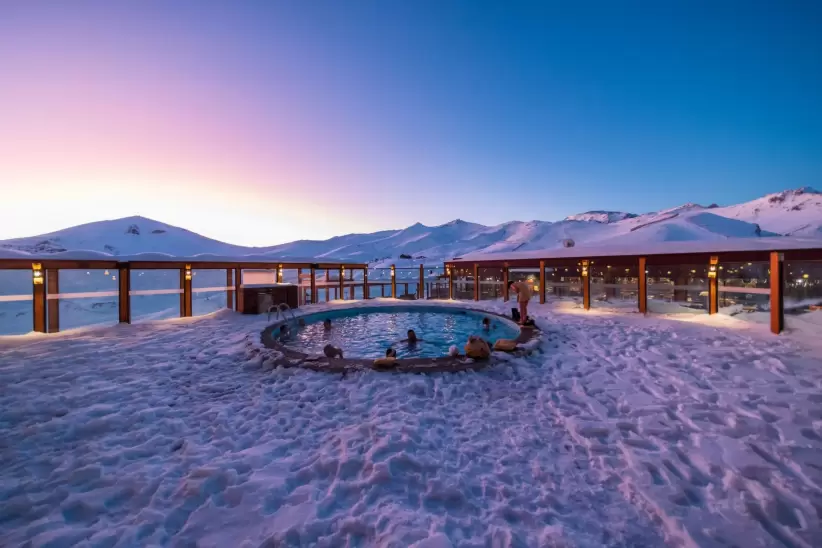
x,y
622,430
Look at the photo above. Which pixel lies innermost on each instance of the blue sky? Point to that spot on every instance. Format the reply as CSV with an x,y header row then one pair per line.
x,y
361,115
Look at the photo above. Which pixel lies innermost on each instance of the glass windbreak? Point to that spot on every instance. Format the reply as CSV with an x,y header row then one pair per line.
x,y
155,295
803,294
614,285
490,280
563,281
408,282
744,288
16,302
674,289
463,283
379,282
435,283
84,298
208,291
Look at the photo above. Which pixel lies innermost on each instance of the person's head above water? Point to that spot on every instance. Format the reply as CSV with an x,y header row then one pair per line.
x,y
412,335
327,323
390,353
486,322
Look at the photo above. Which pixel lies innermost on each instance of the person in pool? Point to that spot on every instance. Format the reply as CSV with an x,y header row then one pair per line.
x,y
327,324
390,353
412,338
332,351
285,333
486,324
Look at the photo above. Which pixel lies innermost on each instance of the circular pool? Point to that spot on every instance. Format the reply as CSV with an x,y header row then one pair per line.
x,y
368,332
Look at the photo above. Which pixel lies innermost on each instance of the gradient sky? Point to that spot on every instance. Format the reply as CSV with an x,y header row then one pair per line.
x,y
264,122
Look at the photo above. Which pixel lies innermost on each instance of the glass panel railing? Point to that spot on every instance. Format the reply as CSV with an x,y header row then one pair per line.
x,y
155,295
614,285
803,295
208,291
85,298
15,302
678,289
745,289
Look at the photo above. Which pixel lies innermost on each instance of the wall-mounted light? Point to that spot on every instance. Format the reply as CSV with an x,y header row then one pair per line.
x,y
188,272
713,266
105,273
392,271
279,273
37,273
584,272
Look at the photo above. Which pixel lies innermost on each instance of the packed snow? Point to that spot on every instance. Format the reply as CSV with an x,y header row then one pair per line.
x,y
621,430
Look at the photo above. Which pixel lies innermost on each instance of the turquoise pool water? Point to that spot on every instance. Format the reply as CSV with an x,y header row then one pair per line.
x,y
367,332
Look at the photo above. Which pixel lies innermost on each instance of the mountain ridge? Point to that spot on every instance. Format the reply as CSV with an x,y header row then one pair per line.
x,y
793,212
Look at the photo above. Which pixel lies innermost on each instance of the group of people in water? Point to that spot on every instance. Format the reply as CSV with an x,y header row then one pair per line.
x,y
411,340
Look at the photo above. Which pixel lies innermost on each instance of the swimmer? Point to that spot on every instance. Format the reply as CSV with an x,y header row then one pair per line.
x,y
412,338
486,324
327,324
390,353
332,351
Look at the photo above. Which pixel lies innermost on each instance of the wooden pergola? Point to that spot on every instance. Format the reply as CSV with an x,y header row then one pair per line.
x,y
46,275
775,252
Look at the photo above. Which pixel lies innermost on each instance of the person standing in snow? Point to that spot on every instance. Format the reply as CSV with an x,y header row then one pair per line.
x,y
523,296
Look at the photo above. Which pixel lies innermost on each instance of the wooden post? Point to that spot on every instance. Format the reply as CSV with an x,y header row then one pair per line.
x,y
777,292
450,283
314,299
476,282
185,297
38,298
713,293
53,305
421,286
643,286
239,298
586,286
300,289
505,296
365,293
229,292
342,283
382,290
124,295
541,282
393,282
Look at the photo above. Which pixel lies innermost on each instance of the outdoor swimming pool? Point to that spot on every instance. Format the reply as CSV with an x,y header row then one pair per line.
x,y
367,332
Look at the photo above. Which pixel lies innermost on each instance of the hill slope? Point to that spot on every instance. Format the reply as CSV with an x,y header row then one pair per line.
x,y
791,212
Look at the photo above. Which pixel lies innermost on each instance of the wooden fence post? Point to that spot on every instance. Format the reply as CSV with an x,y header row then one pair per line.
x,y
38,298
713,281
421,285
314,299
393,282
342,283
185,297
777,292
542,282
53,303
476,282
365,294
643,286
124,292
586,285
505,283
239,298
229,292
450,272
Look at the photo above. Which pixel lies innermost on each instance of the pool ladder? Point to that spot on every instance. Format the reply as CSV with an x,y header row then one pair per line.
x,y
281,308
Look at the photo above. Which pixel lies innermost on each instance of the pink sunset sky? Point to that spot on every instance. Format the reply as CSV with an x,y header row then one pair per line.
x,y
261,122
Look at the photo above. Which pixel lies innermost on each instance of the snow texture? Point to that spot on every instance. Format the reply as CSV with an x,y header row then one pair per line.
x,y
620,430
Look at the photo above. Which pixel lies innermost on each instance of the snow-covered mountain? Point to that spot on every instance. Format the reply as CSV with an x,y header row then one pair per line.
x,y
791,212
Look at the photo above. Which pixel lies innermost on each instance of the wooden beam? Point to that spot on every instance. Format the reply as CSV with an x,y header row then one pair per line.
x,y
393,282
541,282
239,300
476,282
365,294
421,286
229,292
53,305
342,283
713,286
643,287
586,285
39,298
505,295
314,299
777,292
124,297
